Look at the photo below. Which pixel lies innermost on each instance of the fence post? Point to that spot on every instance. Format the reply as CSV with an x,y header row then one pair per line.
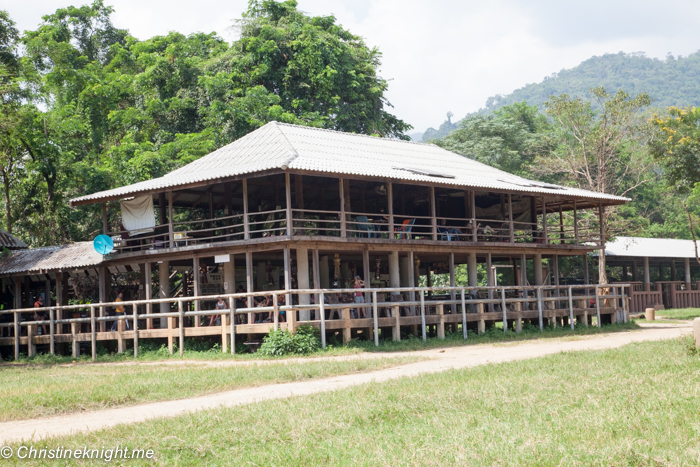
x,y
181,317
503,309
136,331
16,335
571,308
539,307
52,332
376,318
464,315
597,304
422,314
93,333
31,348
232,312
74,338
322,311
275,312
625,314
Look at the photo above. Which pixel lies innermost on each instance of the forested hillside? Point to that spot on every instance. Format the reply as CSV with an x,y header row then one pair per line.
x,y
669,82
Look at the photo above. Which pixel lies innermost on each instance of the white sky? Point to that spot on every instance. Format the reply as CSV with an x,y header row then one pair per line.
x,y
444,54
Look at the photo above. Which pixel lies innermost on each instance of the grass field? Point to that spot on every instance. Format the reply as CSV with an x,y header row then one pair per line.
x,y
31,391
211,350
680,314
636,405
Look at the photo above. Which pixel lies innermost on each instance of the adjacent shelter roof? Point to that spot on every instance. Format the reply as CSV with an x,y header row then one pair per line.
x,y
638,247
78,255
9,241
281,146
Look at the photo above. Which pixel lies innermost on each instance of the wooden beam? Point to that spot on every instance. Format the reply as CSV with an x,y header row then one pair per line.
x,y
246,221
433,213
390,206
545,240
288,193
343,223
575,224
511,226
170,219
475,237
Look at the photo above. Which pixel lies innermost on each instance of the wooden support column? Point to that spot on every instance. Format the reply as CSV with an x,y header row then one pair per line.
x,y
453,307
390,207
316,264
489,280
343,220
545,238
303,281
586,275
561,226
197,291
288,195
475,236
246,220
511,225
411,281
687,272
171,228
148,292
164,290
103,285
291,314
647,275
576,240
249,285
367,279
433,213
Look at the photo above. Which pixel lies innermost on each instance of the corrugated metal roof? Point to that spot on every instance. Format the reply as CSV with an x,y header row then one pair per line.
x,y
640,247
283,146
7,240
51,258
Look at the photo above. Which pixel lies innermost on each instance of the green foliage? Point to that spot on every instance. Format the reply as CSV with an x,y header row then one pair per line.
x,y
282,342
87,107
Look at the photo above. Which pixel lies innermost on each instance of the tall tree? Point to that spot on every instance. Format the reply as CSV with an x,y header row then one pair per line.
x,y
599,150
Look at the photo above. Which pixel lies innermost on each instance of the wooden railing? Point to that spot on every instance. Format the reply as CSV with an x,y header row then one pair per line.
x,y
388,309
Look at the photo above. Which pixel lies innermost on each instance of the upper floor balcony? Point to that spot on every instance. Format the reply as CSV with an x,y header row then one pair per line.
x,y
290,181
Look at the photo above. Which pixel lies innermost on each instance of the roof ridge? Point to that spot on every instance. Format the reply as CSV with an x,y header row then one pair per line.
x,y
354,134
295,154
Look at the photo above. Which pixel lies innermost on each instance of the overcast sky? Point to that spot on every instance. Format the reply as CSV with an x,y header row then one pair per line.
x,y
443,55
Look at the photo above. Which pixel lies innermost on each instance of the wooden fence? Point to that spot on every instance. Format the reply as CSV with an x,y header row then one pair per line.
x,y
387,311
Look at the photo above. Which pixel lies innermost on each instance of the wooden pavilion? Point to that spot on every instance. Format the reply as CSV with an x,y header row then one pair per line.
x,y
287,209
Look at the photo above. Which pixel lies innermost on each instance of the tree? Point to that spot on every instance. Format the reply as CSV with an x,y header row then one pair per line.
x,y
508,140
599,150
677,148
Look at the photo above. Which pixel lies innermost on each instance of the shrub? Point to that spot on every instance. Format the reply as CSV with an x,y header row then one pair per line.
x,y
282,342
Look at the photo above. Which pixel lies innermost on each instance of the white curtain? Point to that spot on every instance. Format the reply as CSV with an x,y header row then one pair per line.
x,y
138,216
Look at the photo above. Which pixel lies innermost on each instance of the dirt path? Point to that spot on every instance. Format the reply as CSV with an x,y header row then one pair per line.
x,y
441,360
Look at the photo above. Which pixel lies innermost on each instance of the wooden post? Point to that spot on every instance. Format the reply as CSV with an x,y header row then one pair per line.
x,y
288,194
433,213
576,224
181,319
52,333
571,308
375,317
347,330
504,309
135,329
246,220
171,228
441,324
322,312
539,307
170,334
148,289
561,225
120,335
422,315
390,207
16,323
31,346
545,238
453,307
510,219
367,279
396,329
74,340
197,289
249,281
93,333
103,279
597,304
232,321
343,223
291,314
464,314
481,325
475,236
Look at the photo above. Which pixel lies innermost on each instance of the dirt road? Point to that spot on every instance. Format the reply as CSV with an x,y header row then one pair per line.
x,y
440,360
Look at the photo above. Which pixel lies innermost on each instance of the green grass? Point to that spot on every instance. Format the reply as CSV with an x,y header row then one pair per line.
x,y
679,314
30,391
636,405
